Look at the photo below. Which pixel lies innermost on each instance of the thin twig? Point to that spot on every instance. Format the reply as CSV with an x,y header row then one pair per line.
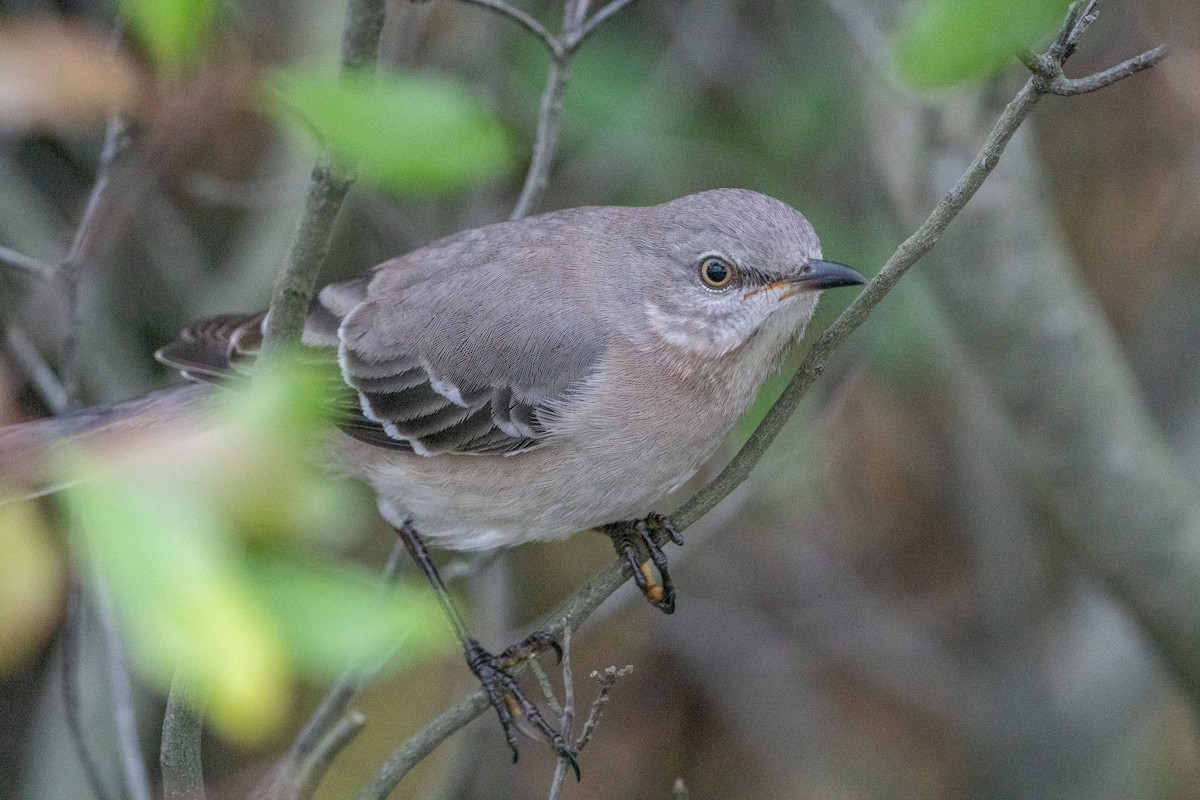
x,y
22,262
309,776
297,281
70,271
550,41
120,687
543,682
598,19
418,746
180,754
545,140
585,600
607,680
566,716
1059,84
330,711
35,368
576,28
72,641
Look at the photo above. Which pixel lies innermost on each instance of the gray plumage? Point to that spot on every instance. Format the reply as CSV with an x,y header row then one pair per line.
x,y
533,378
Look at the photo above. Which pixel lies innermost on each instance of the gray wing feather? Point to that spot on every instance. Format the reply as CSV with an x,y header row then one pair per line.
x,y
473,358
455,348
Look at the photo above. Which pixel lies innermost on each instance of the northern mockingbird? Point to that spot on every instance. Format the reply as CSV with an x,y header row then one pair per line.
x,y
563,372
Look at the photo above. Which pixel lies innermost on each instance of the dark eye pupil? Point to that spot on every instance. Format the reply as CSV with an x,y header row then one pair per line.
x,y
715,271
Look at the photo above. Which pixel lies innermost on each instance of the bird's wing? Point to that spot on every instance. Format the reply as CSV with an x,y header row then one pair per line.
x,y
474,359
478,368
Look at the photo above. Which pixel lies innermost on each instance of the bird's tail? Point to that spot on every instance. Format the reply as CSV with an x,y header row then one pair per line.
x,y
28,450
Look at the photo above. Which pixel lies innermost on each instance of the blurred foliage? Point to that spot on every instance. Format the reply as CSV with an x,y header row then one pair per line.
x,y
174,32
942,43
205,541
406,132
902,621
31,582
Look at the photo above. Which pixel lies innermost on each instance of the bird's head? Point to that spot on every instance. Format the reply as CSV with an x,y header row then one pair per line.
x,y
736,263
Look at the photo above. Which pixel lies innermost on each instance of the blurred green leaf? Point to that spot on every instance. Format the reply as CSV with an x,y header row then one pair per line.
x,y
942,43
415,133
195,528
331,615
31,581
180,594
174,32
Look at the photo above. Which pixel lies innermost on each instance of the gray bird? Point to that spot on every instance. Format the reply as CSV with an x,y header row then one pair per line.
x,y
534,378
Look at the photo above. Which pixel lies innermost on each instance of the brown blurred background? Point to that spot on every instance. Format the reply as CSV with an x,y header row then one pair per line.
x,y
886,609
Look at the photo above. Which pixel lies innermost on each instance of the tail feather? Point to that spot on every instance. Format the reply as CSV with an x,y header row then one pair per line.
x,y
27,449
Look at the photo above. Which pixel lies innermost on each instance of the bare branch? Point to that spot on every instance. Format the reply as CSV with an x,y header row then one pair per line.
x,y
524,20
72,703
43,378
331,710
1059,84
566,716
70,271
607,680
546,139
297,281
23,263
310,773
120,687
598,19
182,771
422,743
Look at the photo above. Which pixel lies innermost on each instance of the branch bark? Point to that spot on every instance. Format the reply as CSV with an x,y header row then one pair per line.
x,y
182,771
297,281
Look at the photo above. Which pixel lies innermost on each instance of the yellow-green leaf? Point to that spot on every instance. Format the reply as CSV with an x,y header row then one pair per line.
x,y
941,43
408,132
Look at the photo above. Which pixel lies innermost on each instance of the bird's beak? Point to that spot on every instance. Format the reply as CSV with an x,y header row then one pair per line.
x,y
815,276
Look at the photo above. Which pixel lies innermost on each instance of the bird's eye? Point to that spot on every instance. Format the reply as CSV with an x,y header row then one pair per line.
x,y
716,272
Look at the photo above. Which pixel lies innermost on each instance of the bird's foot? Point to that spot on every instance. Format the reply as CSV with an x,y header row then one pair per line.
x,y
636,541
506,696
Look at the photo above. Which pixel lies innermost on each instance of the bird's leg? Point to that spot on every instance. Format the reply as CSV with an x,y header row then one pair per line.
x,y
501,688
636,541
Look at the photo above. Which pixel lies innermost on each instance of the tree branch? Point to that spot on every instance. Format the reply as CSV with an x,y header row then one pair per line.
x,y
120,687
297,281
575,30
551,42
25,264
72,703
182,770
1053,81
70,271
576,609
310,773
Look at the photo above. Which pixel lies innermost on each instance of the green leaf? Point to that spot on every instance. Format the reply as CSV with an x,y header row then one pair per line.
x,y
414,133
942,43
172,568
334,615
174,32
182,524
31,581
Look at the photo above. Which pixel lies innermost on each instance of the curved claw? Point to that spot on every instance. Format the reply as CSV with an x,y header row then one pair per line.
x,y
631,540
509,701
534,642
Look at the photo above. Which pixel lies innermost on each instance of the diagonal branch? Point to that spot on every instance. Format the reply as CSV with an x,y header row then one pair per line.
x,y
579,606
23,263
523,19
297,281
